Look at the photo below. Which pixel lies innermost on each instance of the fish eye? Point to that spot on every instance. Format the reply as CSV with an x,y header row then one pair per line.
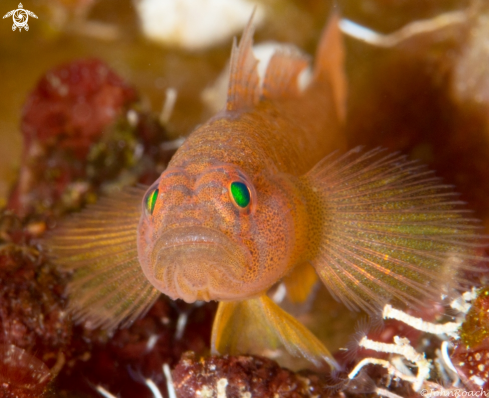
x,y
150,201
240,194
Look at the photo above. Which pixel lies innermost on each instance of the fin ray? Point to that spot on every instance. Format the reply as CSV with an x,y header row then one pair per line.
x,y
392,291
244,83
386,231
251,325
108,287
282,74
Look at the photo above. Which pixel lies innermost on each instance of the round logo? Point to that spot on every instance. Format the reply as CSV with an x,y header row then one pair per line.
x,y
20,18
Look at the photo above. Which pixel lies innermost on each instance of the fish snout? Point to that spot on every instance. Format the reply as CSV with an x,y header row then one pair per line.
x,y
198,263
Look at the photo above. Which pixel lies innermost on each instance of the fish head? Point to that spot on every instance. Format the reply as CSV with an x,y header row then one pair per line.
x,y
211,233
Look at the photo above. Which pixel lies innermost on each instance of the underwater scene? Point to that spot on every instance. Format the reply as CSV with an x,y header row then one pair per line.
x,y
244,198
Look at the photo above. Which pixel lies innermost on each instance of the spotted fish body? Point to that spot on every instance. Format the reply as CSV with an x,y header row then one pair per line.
x,y
262,135
256,196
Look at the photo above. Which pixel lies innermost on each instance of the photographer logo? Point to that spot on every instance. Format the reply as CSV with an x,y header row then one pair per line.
x,y
20,17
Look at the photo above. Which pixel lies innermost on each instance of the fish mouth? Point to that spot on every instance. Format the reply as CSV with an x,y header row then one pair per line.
x,y
198,263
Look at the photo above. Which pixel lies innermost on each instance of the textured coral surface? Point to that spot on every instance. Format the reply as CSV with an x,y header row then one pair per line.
x,y
243,376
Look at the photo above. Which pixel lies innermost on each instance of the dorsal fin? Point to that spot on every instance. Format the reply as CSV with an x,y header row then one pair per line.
x,y
329,65
284,68
244,83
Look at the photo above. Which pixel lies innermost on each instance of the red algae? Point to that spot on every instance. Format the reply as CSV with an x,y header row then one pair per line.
x,y
72,105
81,126
35,330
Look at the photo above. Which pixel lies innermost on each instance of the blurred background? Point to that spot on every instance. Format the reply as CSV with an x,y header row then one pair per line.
x,y
146,43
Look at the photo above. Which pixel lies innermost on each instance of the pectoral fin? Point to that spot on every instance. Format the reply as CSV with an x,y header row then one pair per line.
x,y
108,287
253,325
384,228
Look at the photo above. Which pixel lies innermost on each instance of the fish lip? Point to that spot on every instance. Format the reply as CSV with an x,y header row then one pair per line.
x,y
174,281
180,236
200,295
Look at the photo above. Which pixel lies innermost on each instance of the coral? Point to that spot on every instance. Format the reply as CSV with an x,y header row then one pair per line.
x,y
244,377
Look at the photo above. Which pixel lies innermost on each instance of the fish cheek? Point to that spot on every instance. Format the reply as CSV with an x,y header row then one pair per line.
x,y
274,245
145,239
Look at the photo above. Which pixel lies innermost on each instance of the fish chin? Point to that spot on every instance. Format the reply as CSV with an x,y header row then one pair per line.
x,y
198,263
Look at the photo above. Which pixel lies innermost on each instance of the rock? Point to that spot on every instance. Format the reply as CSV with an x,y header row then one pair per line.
x,y
244,377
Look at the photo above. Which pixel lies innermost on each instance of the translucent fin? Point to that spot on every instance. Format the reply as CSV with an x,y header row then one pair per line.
x,y
384,228
284,69
108,287
253,325
329,66
282,74
300,282
244,83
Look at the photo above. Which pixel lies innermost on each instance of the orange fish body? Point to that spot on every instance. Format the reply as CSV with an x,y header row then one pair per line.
x,y
261,137
251,199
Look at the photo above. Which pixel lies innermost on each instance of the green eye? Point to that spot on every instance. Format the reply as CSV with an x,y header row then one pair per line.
x,y
151,201
240,193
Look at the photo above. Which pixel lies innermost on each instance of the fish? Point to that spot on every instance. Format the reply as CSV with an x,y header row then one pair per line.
x,y
267,192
